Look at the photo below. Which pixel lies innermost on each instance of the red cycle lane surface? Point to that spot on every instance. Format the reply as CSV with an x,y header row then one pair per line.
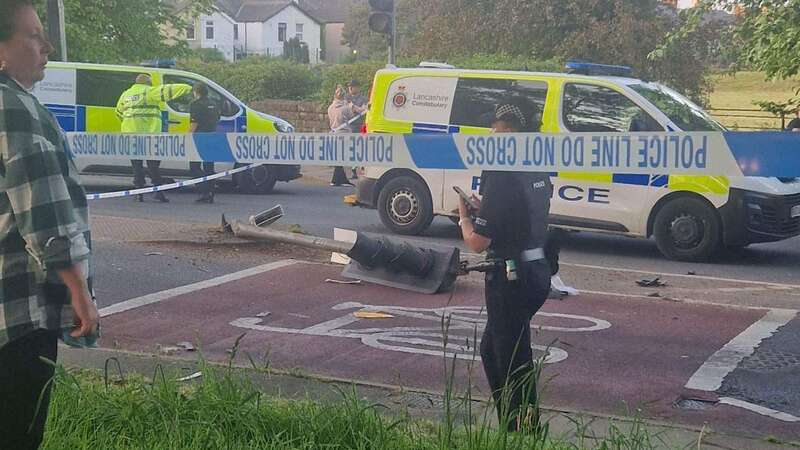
x,y
610,355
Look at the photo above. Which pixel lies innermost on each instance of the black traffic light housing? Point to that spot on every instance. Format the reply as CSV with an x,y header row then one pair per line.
x,y
381,16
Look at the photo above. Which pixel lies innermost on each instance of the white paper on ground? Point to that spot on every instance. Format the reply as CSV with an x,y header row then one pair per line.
x,y
557,284
341,234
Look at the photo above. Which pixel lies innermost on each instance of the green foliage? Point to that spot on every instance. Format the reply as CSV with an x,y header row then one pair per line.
x,y
363,71
123,31
207,55
295,50
259,78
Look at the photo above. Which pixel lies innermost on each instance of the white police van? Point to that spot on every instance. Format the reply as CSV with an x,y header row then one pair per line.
x,y
689,216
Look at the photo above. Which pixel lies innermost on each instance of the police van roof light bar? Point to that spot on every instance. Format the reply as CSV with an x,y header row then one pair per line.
x,y
587,68
160,63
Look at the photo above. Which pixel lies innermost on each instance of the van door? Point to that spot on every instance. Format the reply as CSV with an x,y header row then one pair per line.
x,y
231,114
602,201
473,111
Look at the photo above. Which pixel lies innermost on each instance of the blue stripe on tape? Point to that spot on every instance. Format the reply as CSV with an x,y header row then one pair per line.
x,y
80,120
433,151
765,154
637,179
213,147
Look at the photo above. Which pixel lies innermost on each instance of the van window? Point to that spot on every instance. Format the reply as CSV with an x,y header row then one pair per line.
x,y
227,108
476,98
592,108
102,87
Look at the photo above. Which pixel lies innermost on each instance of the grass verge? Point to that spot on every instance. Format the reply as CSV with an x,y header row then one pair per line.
x,y
223,410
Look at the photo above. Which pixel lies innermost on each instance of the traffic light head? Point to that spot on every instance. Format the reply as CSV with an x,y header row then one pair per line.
x,y
380,16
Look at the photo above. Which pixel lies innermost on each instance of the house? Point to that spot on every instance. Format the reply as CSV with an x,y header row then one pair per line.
x,y
256,27
332,13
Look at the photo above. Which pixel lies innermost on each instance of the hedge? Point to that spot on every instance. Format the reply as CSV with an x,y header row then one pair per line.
x,y
260,78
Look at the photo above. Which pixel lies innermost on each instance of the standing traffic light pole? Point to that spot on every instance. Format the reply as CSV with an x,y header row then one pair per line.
x,y
55,27
382,20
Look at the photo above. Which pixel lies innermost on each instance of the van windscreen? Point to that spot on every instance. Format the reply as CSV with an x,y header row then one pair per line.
x,y
680,110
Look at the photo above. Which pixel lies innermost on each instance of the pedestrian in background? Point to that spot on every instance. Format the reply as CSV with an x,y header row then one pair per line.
x,y
794,124
44,234
511,225
139,108
339,113
204,118
358,100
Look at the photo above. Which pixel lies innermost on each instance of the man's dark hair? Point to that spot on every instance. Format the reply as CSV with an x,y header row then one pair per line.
x,y
8,16
201,89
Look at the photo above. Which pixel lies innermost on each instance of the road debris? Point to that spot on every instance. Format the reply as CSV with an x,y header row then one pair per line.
x,y
331,280
154,254
263,314
372,315
655,282
654,294
191,377
186,346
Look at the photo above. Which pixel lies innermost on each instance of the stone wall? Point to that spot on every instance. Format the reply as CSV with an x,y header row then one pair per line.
x,y
306,116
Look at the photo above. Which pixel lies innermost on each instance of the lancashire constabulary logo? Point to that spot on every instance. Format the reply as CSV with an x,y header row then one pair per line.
x,y
399,99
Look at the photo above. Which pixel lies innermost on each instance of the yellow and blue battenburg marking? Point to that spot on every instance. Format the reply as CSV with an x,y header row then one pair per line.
x,y
642,159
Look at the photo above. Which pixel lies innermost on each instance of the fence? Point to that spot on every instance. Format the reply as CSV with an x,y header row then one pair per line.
x,y
748,119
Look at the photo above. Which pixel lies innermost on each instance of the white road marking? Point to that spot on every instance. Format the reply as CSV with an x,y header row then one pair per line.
x,y
785,417
710,375
681,275
157,297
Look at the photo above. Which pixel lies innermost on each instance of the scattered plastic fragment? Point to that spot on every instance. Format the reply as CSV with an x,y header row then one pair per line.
x,y
655,282
372,315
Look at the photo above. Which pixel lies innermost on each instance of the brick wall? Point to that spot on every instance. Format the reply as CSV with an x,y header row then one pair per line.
x,y
306,116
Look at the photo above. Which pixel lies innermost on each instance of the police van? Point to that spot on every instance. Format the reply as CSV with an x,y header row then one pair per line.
x,y
83,97
690,216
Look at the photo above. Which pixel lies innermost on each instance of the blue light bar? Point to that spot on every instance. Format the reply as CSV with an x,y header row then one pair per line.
x,y
160,63
587,68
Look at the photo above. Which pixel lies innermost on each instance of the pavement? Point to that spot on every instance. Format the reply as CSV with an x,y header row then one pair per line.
x,y
694,365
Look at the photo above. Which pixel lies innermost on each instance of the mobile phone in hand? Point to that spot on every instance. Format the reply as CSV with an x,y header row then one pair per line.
x,y
467,199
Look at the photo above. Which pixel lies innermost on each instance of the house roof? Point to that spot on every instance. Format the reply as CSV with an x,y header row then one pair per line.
x,y
259,10
328,11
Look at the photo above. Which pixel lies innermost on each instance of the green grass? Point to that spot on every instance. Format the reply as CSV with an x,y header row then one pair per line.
x,y
741,90
225,411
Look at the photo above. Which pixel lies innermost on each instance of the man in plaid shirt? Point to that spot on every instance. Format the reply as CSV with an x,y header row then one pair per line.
x,y
44,233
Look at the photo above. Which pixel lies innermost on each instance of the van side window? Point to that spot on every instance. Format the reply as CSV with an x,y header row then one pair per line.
x,y
592,108
476,98
101,87
227,108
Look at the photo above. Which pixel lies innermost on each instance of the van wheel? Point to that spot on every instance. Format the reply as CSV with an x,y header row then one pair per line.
x,y
687,229
258,180
404,206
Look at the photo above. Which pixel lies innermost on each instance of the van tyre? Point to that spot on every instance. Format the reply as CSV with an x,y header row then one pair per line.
x,y
687,229
258,180
404,206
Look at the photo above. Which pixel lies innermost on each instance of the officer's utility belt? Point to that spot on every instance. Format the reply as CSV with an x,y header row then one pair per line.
x,y
532,254
510,265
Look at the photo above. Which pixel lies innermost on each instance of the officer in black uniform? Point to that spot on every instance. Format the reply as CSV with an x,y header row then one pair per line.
x,y
203,117
514,237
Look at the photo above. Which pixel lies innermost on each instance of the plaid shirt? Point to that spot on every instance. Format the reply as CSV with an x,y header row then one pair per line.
x,y
44,216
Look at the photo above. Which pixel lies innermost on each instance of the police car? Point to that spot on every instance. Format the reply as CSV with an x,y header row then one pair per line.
x,y
690,216
83,97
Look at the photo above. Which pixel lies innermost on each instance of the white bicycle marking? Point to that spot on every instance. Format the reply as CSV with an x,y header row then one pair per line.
x,y
462,324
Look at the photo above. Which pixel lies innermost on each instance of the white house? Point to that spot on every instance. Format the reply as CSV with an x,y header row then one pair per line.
x,y
256,27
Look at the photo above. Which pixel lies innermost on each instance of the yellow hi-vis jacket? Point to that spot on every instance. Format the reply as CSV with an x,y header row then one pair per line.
x,y
140,106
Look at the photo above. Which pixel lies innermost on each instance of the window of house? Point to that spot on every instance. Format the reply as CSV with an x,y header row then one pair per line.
x,y
299,31
235,32
476,98
102,87
281,32
592,108
209,29
190,32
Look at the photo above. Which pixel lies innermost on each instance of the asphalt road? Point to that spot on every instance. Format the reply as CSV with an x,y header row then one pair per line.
x,y
317,209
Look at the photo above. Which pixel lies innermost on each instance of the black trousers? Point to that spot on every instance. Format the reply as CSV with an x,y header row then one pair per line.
x,y
23,376
339,176
153,169
506,343
197,172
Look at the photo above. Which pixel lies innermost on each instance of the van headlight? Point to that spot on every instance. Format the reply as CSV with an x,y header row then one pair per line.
x,y
284,127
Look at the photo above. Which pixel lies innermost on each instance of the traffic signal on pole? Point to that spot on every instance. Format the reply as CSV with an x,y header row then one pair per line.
x,y
381,16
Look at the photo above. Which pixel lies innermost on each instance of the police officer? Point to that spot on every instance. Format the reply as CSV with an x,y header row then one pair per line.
x,y
139,107
204,118
514,238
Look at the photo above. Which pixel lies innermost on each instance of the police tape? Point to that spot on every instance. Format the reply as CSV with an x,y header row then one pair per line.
x,y
697,153
167,187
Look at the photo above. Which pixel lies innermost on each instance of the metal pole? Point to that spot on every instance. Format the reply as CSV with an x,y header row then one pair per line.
x,y
393,35
55,27
267,234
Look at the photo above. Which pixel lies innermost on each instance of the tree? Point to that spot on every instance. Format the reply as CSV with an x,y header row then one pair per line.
x,y
121,31
295,50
